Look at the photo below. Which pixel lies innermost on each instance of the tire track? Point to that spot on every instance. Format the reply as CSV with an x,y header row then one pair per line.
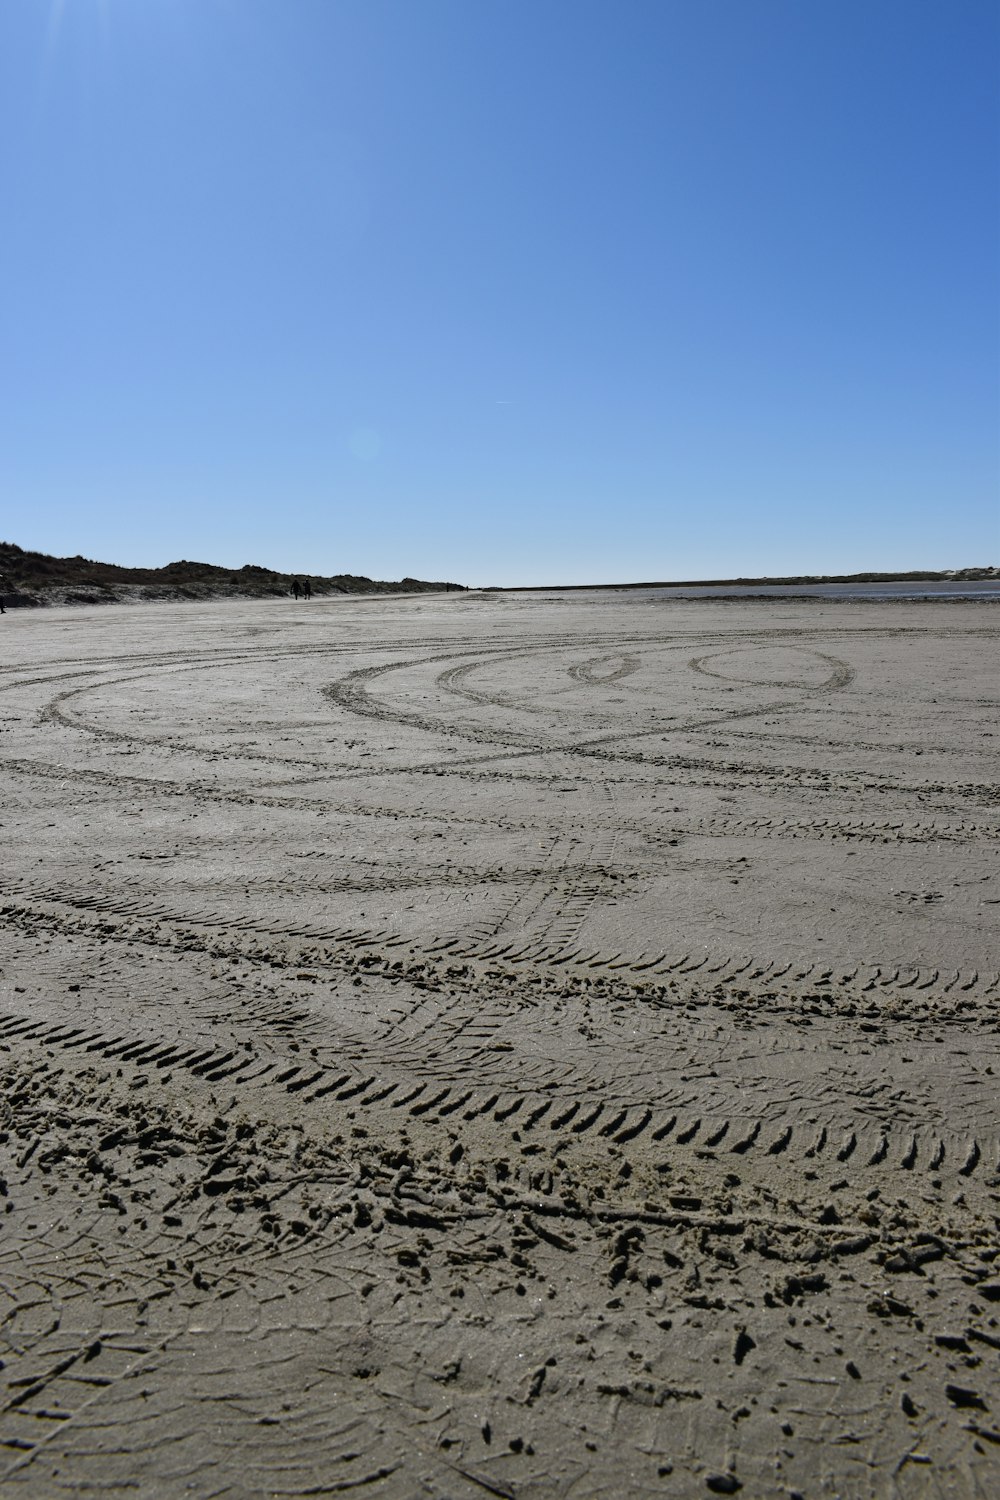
x,y
599,671
804,985
637,1132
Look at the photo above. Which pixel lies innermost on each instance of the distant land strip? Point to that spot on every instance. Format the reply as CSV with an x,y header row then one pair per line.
x,y
923,575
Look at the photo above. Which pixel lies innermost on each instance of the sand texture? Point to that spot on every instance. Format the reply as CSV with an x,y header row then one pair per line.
x,y
504,1045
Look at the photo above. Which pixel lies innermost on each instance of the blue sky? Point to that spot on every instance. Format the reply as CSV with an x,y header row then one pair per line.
x,y
502,292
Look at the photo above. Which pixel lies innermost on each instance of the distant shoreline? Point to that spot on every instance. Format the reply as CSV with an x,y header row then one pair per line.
x,y
33,579
808,580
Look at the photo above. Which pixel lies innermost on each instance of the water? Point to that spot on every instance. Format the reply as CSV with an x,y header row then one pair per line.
x,y
988,588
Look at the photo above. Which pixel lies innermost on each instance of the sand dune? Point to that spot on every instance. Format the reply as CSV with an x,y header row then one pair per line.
x,y
526,1045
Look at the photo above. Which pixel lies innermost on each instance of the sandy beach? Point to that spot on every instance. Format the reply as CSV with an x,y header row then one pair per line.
x,y
486,1044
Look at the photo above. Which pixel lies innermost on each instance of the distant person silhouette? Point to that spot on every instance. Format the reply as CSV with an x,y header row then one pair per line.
x,y
307,589
295,587
2,582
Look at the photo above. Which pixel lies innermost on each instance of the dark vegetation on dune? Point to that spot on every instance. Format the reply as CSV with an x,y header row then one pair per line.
x,y
32,578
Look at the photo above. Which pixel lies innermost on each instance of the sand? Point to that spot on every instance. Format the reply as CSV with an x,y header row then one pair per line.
x,y
513,1045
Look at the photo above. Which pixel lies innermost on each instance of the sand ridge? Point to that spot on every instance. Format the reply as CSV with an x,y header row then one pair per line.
x,y
528,1045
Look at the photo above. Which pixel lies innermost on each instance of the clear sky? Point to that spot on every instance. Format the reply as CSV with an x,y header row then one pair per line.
x,y
502,291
